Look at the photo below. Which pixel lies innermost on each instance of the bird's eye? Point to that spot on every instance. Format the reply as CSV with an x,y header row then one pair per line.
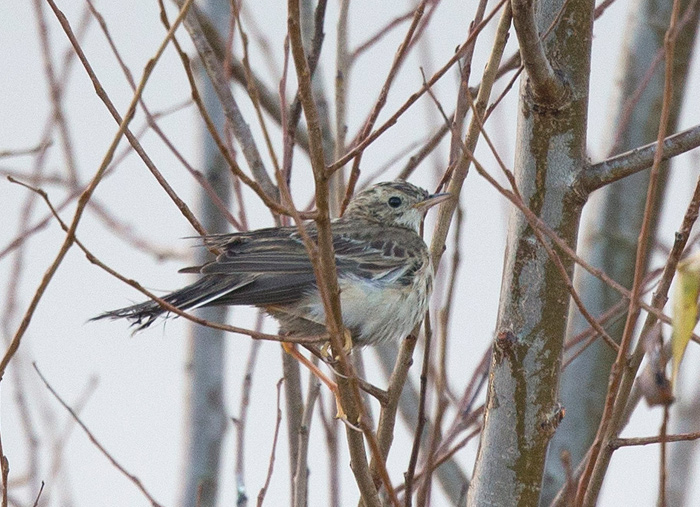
x,y
394,201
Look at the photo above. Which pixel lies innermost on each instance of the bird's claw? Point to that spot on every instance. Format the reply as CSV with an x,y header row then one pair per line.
x,y
347,423
347,346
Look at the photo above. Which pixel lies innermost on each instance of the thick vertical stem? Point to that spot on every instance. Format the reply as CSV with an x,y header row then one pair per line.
x,y
522,410
206,417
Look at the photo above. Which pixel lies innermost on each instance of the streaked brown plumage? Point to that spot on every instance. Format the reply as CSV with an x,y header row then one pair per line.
x,y
384,270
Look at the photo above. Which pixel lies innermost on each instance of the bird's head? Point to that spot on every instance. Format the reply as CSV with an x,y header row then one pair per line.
x,y
394,203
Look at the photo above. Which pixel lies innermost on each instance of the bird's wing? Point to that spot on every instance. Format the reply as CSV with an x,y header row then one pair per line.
x,y
276,258
384,258
282,271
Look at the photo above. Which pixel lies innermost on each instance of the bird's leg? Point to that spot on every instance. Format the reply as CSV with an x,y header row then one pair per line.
x,y
291,349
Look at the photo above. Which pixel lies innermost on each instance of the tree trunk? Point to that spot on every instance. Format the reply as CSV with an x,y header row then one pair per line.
x,y
206,417
522,411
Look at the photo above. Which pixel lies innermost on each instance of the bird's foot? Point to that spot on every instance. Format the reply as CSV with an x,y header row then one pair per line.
x,y
347,423
347,346
326,351
290,349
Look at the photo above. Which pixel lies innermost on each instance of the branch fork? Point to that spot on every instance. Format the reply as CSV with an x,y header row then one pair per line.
x,y
546,87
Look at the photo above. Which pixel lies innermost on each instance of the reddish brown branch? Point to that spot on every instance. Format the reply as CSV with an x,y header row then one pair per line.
x,y
87,194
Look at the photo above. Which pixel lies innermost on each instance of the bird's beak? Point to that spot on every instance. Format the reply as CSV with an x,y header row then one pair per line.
x,y
431,201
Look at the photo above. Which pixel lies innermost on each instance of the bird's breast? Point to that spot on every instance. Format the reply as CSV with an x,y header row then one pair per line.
x,y
379,311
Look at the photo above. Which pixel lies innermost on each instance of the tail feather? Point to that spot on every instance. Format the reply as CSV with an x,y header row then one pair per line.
x,y
201,293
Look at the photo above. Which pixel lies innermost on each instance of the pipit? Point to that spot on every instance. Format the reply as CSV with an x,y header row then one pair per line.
x,y
383,265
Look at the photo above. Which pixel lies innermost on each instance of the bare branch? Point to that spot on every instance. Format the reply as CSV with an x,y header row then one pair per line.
x,y
268,99
87,194
301,482
424,491
25,151
615,168
233,114
546,87
240,422
399,58
413,98
656,439
162,302
323,260
592,477
4,472
135,480
271,466
124,122
197,175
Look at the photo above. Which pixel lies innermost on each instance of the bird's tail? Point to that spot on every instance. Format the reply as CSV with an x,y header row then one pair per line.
x,y
203,292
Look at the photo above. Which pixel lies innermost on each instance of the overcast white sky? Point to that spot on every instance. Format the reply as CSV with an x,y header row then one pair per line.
x,y
136,410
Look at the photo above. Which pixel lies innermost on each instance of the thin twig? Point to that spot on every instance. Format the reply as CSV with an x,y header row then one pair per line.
x,y
271,465
268,98
301,475
56,95
240,128
359,148
461,167
399,58
323,260
398,377
124,122
38,495
126,232
87,194
342,75
162,302
59,443
552,254
418,432
584,494
135,480
198,176
20,152
4,472
380,34
240,422
293,114
260,189
427,148
445,313
253,92
423,496
663,439
29,231
440,460
465,416
656,439
330,429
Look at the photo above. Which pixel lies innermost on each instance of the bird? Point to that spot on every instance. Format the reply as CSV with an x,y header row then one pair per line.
x,y
383,266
